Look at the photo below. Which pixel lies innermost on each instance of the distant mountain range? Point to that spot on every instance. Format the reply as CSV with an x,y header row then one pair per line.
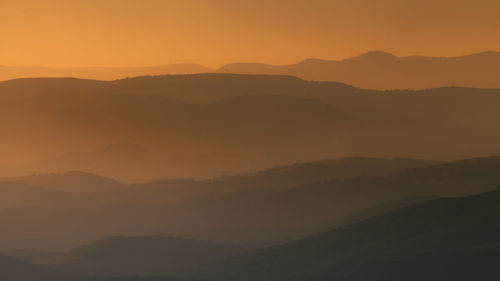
x,y
380,70
249,177
372,70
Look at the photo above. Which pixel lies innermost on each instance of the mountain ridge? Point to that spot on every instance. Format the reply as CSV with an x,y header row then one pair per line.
x,y
384,71
98,73
477,70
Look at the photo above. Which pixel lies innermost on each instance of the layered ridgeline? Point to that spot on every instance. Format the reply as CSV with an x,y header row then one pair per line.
x,y
215,124
441,239
373,70
81,189
251,210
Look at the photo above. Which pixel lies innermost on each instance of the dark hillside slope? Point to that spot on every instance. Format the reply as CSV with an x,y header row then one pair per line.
x,y
442,239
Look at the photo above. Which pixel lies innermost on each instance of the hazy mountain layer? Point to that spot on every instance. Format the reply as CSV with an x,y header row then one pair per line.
x,y
65,190
215,124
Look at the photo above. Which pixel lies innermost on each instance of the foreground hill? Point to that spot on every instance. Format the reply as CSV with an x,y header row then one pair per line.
x,y
443,239
237,123
380,70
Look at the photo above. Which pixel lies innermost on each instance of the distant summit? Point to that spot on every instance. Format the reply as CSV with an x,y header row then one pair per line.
x,y
374,56
441,239
382,70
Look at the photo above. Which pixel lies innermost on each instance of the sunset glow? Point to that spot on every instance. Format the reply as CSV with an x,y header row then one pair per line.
x,y
215,32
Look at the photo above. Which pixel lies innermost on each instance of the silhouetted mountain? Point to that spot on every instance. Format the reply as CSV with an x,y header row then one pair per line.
x,y
99,73
443,239
249,123
16,270
139,256
73,181
380,70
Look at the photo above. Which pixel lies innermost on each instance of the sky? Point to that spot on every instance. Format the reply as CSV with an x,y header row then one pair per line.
x,y
73,33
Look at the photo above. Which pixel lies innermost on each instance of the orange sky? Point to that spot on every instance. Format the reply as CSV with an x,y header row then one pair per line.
x,y
215,32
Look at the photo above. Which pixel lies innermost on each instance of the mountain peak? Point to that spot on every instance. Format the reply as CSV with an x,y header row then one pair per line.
x,y
374,55
72,181
313,60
